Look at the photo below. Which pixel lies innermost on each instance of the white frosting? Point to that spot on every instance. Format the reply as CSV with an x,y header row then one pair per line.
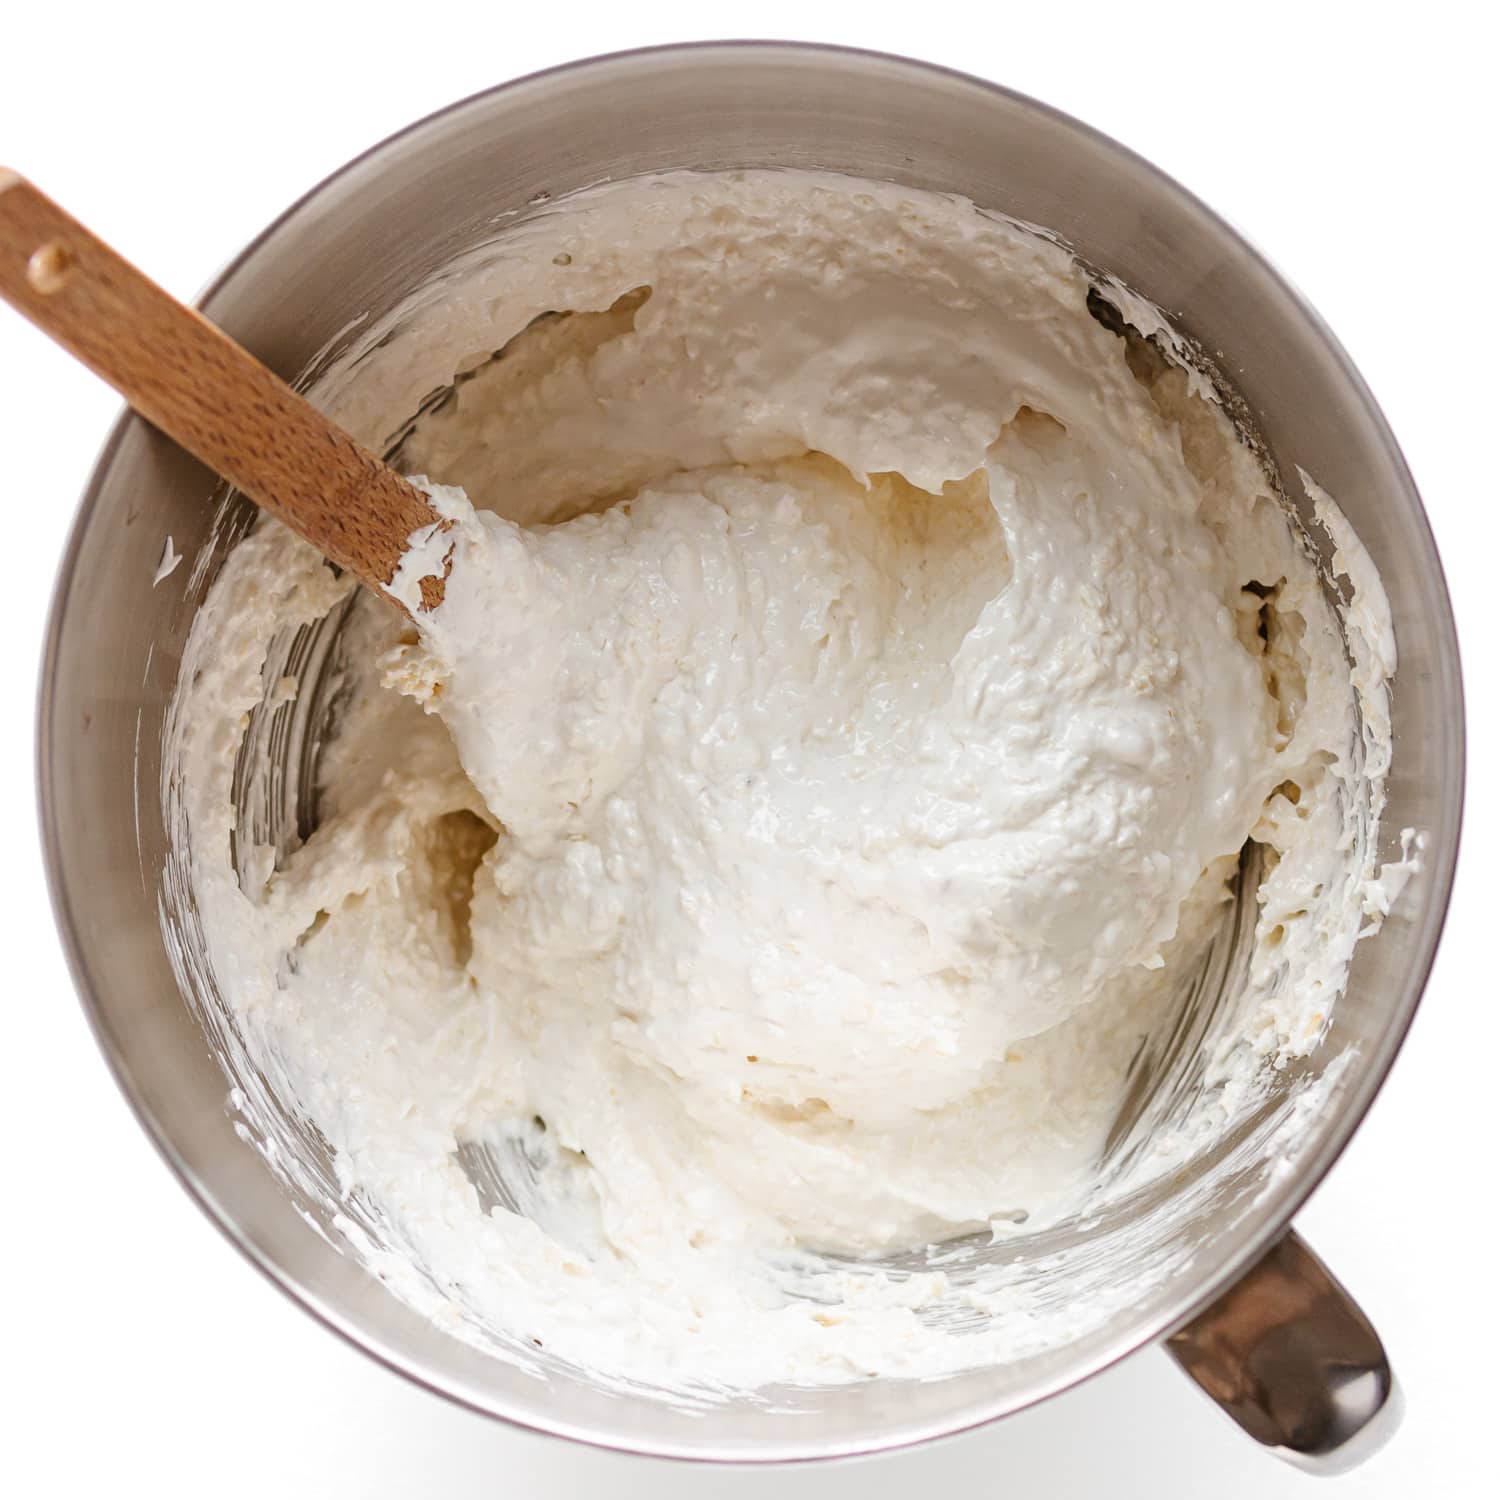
x,y
859,703
170,557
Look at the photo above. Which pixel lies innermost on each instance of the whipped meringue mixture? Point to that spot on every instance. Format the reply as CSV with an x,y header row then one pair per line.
x,y
870,682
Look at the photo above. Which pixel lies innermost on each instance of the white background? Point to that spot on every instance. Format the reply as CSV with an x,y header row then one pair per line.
x,y
1355,145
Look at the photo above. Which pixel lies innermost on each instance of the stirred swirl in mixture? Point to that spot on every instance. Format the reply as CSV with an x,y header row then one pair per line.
x,y
859,673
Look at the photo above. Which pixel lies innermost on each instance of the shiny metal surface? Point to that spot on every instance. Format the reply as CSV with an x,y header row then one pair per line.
x,y
1289,1356
380,228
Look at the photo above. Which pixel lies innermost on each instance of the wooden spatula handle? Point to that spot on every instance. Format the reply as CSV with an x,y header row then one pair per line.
x,y
202,389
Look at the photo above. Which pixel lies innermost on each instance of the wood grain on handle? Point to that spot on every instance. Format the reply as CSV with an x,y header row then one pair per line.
x,y
202,389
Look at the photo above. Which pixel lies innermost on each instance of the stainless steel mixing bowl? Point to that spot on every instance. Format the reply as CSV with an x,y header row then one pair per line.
x,y
1247,1309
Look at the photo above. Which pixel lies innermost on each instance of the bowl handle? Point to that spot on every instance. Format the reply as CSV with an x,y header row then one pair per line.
x,y
1288,1354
